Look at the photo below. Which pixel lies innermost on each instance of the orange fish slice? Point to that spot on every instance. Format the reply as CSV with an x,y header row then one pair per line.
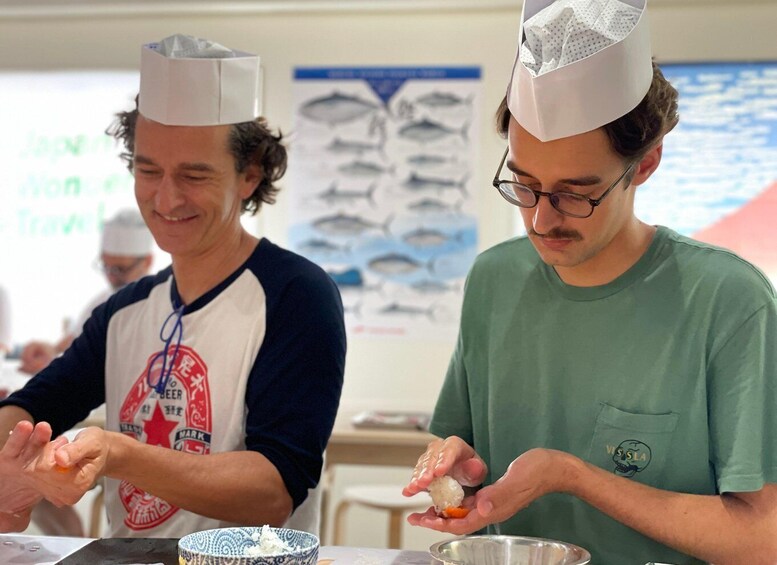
x,y
455,512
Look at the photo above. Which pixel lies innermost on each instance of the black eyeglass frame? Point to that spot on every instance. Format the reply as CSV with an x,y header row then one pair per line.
x,y
553,197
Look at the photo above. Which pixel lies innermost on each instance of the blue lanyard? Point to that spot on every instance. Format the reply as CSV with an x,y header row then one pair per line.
x,y
162,364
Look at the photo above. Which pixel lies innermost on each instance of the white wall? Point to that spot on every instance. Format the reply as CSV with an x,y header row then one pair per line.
x,y
385,374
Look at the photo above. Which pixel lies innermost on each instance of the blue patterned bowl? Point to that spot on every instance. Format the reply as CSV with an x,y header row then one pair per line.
x,y
232,546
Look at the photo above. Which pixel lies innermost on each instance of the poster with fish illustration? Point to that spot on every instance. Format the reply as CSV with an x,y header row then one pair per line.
x,y
381,195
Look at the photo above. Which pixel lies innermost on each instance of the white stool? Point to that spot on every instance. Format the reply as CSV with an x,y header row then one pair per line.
x,y
381,497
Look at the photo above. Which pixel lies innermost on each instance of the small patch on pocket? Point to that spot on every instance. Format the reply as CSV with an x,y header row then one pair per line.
x,y
632,445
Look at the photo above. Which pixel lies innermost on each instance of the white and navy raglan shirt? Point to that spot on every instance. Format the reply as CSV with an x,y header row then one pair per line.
x,y
260,367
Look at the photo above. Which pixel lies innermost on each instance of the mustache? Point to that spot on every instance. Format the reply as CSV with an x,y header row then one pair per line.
x,y
557,233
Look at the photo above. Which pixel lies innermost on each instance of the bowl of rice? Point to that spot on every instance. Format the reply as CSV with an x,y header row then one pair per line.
x,y
248,546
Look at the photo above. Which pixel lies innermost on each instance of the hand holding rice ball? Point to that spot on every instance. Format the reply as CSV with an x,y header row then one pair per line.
x,y
447,496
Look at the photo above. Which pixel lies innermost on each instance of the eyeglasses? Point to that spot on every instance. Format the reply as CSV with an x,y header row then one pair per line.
x,y
116,270
161,366
567,203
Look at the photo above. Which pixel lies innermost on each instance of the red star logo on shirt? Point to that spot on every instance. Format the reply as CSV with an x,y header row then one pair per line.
x,y
158,429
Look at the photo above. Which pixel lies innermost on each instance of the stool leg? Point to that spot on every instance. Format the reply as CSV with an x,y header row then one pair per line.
x,y
339,531
395,529
327,480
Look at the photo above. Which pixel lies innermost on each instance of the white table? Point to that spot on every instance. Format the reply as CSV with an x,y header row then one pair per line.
x,y
45,550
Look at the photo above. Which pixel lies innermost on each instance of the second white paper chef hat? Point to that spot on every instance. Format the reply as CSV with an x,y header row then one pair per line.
x,y
581,64
126,235
188,81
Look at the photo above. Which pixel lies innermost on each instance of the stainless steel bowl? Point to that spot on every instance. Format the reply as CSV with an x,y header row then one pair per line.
x,y
507,550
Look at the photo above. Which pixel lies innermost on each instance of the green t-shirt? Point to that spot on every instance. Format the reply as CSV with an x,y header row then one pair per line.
x,y
665,375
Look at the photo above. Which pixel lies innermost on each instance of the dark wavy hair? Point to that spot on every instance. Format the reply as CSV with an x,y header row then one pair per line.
x,y
249,143
637,132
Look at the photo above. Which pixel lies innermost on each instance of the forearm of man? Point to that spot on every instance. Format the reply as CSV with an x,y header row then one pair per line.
x,y
9,417
240,486
730,529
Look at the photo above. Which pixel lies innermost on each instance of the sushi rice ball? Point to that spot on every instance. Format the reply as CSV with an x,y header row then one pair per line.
x,y
447,495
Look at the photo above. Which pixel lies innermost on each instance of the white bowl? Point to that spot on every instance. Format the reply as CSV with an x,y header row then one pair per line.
x,y
228,546
507,550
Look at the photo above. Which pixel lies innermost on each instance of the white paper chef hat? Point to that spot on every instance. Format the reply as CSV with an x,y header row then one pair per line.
x,y
187,81
581,64
126,235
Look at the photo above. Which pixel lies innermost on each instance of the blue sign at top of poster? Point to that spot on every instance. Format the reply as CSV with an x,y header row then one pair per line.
x,y
386,81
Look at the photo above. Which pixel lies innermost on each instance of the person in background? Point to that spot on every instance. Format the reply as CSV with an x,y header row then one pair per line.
x,y
613,384
126,248
5,322
222,373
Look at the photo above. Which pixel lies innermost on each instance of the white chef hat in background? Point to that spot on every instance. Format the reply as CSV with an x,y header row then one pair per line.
x,y
580,64
126,235
188,81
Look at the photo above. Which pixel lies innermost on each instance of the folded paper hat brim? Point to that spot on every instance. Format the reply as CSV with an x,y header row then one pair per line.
x,y
199,92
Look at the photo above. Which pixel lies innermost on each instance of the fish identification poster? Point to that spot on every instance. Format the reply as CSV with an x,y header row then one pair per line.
x,y
381,195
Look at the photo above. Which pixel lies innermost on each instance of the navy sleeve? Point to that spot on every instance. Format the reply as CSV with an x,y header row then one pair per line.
x,y
294,388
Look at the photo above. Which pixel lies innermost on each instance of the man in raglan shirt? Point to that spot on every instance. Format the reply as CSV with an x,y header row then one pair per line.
x,y
222,374
614,382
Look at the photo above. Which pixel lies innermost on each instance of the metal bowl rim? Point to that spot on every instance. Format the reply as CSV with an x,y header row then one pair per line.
x,y
434,549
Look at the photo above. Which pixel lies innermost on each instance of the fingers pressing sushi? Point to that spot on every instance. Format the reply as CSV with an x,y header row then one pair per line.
x,y
451,456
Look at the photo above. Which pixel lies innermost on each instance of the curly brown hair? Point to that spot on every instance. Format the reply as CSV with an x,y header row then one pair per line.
x,y
635,133
249,142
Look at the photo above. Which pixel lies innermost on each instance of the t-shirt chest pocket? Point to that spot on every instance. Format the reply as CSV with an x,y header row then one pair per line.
x,y
632,445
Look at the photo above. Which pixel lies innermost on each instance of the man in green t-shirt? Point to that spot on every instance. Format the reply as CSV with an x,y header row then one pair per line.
x,y
613,384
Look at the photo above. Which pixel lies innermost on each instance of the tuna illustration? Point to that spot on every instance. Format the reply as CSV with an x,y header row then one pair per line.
x,y
349,147
433,205
423,237
443,100
337,108
334,195
396,264
426,130
431,286
343,224
396,308
315,245
417,183
429,160
364,169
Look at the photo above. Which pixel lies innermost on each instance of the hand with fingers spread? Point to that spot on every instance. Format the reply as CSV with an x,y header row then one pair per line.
x,y
27,446
24,446
32,468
